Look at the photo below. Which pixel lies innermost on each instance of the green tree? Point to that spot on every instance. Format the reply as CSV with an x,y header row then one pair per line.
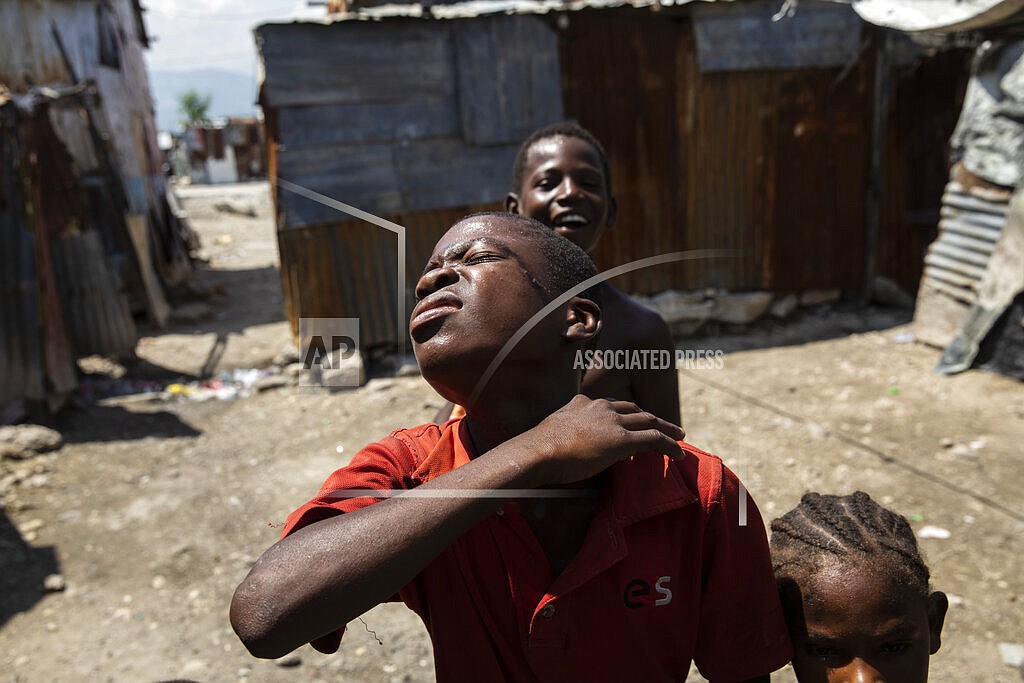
x,y
193,106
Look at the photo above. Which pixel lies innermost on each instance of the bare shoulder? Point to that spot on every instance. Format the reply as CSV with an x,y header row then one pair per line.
x,y
633,325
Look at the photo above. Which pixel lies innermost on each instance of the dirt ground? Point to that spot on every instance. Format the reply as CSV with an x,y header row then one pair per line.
x,y
153,511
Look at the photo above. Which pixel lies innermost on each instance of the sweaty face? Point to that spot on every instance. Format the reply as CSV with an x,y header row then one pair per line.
x,y
564,187
860,627
475,292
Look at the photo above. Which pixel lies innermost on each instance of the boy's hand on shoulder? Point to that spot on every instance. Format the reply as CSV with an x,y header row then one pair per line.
x,y
587,436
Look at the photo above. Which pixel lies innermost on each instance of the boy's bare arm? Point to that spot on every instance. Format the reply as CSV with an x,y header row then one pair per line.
x,y
319,578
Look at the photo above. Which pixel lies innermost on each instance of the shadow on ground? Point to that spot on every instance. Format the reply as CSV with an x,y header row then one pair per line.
x,y
807,326
22,571
114,423
237,299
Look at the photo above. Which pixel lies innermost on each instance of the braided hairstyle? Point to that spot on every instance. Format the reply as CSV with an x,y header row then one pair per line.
x,y
853,530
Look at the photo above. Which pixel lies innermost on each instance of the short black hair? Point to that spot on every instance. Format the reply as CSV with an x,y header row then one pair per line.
x,y
855,529
567,264
569,129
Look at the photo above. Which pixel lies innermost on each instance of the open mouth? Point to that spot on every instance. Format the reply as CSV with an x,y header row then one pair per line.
x,y
570,221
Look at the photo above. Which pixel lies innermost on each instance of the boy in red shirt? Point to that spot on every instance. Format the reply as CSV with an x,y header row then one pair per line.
x,y
546,536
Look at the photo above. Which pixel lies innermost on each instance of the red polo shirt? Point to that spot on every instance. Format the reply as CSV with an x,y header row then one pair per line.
x,y
665,574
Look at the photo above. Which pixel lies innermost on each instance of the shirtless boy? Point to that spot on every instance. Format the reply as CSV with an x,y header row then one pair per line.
x,y
562,178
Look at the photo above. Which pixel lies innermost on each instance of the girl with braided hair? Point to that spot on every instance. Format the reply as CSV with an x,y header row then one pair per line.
x,y
855,592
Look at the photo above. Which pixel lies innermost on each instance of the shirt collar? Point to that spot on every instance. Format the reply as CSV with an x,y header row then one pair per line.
x,y
649,484
643,486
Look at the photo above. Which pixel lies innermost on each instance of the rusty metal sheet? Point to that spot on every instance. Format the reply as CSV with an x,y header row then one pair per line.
x,y
21,363
35,355
916,165
740,160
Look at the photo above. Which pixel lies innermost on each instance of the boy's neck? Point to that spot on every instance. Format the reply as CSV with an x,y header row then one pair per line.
x,y
492,424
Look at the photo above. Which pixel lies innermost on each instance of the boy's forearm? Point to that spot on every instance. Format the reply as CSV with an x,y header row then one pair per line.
x,y
324,575
319,578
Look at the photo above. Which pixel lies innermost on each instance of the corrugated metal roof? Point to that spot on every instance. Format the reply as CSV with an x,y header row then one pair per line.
x,y
478,8
937,16
968,231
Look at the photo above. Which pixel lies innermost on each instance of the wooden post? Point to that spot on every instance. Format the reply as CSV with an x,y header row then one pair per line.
x,y
879,130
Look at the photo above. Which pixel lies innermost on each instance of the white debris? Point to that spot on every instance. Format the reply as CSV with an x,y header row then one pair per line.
x,y
1012,653
930,531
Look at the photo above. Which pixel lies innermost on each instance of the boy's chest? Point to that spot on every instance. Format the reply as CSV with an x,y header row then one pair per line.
x,y
619,591
559,528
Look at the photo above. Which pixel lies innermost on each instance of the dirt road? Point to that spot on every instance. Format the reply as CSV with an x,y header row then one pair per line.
x,y
152,512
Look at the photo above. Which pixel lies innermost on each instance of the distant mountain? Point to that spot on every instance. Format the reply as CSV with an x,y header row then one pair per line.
x,y
234,94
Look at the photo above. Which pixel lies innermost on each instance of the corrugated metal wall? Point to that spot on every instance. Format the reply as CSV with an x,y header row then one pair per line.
x,y
421,134
773,163
925,104
36,361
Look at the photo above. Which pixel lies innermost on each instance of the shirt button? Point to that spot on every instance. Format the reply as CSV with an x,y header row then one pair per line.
x,y
500,512
548,611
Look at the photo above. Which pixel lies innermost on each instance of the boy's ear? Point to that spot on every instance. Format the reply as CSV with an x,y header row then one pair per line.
x,y
938,603
613,212
582,320
512,202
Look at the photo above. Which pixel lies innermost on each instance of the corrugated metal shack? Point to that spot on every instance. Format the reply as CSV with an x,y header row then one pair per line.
x,y
725,129
88,235
971,297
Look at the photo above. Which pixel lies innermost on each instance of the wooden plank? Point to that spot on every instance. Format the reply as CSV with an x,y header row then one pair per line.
x,y
349,62
937,315
508,77
156,304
